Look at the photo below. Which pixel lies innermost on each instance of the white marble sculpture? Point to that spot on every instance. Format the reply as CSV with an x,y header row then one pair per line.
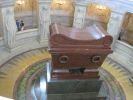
x,y
44,21
10,28
114,25
79,17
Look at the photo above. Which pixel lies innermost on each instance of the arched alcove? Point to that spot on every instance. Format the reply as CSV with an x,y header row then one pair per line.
x,y
126,34
97,14
62,11
26,10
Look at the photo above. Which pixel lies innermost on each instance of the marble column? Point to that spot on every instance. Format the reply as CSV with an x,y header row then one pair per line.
x,y
44,19
79,15
9,26
115,24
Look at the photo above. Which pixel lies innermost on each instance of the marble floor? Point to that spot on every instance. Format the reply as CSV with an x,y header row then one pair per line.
x,y
10,72
20,65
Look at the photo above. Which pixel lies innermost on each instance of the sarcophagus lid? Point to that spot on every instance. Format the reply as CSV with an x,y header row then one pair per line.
x,y
86,39
72,47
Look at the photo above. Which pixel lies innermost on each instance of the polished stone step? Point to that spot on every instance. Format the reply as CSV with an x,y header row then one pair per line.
x,y
73,86
76,96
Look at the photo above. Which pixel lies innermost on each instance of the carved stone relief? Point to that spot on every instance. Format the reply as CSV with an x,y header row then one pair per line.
x,y
79,16
9,26
115,25
44,20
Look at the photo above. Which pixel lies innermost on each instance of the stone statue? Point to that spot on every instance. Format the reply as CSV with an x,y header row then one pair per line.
x,y
79,16
44,21
114,24
10,26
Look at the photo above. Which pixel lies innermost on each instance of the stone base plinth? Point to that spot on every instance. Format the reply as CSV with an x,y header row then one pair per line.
x,y
74,89
69,74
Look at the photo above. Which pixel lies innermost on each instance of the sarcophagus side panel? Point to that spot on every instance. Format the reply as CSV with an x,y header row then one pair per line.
x,y
67,61
78,50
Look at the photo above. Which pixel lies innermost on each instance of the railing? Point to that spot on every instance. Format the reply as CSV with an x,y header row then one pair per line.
x,y
25,40
27,34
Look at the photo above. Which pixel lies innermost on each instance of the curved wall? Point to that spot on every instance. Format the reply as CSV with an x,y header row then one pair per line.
x,y
28,39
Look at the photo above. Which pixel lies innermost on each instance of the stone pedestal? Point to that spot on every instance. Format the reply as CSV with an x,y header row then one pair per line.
x,y
65,74
76,56
75,89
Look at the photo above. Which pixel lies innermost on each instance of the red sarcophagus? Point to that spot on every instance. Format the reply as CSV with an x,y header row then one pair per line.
x,y
76,51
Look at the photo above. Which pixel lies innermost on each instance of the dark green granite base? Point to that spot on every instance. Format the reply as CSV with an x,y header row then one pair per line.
x,y
74,86
75,96
75,90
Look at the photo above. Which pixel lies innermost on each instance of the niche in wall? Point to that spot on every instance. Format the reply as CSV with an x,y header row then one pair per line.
x,y
27,11
126,34
97,14
62,11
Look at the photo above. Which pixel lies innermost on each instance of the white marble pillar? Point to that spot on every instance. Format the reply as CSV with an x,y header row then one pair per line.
x,y
114,25
44,19
79,15
9,26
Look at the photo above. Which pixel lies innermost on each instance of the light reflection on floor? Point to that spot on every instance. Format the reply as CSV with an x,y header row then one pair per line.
x,y
38,90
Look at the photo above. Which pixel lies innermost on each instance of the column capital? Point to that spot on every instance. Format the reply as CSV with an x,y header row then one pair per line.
x,y
6,3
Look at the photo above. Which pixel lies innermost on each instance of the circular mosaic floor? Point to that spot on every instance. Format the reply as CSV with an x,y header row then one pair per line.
x,y
21,77
32,84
